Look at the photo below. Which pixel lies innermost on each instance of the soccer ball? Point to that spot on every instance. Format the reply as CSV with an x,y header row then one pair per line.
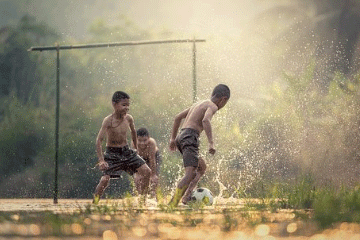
x,y
202,195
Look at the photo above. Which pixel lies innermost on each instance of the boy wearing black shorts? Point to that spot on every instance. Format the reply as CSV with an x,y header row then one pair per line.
x,y
196,119
118,155
149,151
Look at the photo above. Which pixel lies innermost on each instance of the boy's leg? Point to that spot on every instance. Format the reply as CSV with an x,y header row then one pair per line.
x,y
141,179
100,188
190,173
137,183
200,171
153,188
154,185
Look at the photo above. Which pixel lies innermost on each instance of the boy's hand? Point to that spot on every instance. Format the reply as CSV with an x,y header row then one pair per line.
x,y
172,145
103,165
212,149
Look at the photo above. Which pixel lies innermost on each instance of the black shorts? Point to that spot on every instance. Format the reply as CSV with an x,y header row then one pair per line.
x,y
188,144
158,161
121,159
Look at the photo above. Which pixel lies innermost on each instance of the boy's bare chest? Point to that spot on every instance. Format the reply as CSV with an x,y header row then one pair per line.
x,y
118,127
144,152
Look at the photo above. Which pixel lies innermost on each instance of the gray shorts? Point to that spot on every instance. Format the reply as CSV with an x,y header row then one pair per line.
x,y
158,161
121,159
188,144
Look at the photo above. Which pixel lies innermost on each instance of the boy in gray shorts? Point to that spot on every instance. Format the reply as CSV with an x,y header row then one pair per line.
x,y
196,119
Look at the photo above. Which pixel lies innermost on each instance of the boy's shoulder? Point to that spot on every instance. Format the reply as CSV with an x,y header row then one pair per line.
x,y
208,104
129,117
152,141
107,119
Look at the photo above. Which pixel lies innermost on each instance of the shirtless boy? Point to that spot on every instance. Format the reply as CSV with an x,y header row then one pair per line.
x,y
149,151
118,156
197,118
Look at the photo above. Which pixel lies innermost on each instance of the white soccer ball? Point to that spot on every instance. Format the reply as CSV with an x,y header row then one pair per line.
x,y
202,195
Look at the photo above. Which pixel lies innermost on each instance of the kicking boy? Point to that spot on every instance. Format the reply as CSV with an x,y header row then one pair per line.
x,y
118,156
197,118
148,150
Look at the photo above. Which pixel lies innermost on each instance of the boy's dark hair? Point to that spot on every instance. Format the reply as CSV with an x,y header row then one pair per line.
x,y
142,132
221,90
118,95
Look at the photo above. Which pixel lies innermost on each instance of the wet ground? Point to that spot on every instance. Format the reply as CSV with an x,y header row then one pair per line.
x,y
127,219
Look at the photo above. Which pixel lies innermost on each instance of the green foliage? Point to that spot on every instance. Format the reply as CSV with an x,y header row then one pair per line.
x,y
22,138
302,194
19,71
327,207
331,206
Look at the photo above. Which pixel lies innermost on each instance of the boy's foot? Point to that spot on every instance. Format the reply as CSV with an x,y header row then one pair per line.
x,y
96,199
174,202
185,200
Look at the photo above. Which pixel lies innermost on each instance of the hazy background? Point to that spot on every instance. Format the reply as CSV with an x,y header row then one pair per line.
x,y
199,18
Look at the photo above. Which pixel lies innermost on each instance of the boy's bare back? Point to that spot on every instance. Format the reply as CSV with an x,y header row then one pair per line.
x,y
197,113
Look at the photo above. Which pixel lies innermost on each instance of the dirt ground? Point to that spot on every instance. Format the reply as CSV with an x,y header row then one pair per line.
x,y
126,219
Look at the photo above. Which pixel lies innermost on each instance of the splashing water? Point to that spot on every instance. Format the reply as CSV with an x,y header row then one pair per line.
x,y
217,179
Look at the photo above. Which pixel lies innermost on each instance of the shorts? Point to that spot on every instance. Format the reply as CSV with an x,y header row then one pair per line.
x,y
158,161
188,144
121,159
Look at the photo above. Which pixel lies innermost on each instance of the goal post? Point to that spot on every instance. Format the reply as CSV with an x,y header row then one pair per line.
x,y
58,48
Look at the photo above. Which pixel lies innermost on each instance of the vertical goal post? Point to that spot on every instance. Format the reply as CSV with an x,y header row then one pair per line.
x,y
57,48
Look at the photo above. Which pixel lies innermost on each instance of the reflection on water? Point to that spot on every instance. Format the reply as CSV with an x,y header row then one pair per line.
x,y
228,218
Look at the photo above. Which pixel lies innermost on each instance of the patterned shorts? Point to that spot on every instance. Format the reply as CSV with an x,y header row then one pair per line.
x,y
121,159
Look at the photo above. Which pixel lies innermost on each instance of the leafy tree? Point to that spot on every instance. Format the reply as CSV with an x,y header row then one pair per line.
x,y
327,30
19,72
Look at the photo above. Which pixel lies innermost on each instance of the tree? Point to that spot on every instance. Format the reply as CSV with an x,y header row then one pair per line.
x,y
18,70
328,30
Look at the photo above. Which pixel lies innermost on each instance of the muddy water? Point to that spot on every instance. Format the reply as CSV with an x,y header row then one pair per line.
x,y
126,219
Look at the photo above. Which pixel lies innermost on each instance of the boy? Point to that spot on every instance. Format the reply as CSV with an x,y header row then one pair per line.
x,y
148,150
118,156
197,118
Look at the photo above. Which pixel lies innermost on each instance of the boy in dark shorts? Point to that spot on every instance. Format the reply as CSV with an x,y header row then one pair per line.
x,y
149,151
197,118
118,156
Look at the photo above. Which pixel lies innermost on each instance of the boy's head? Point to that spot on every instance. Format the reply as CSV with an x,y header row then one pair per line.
x,y
142,132
142,137
220,95
119,95
121,102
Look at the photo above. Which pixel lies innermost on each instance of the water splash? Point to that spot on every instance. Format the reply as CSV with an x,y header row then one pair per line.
x,y
217,178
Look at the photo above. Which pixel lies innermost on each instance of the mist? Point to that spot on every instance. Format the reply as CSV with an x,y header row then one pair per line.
x,y
280,121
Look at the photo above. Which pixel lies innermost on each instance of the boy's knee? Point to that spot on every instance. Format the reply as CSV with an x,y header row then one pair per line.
x,y
202,166
147,172
144,171
190,174
105,179
202,170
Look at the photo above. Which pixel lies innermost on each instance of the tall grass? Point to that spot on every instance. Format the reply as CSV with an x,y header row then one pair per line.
x,y
328,204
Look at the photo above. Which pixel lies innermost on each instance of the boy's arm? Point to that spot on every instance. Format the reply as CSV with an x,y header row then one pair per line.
x,y
99,139
176,126
133,131
206,122
152,159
